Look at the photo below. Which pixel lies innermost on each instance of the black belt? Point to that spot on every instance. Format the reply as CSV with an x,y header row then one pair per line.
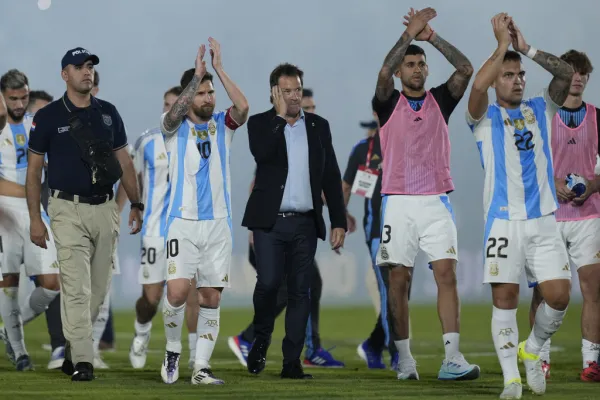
x,y
94,200
286,214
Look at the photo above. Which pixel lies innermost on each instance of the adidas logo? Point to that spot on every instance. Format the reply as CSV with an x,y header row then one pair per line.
x,y
418,119
447,343
508,346
208,336
161,156
375,157
226,279
566,267
451,250
171,325
572,141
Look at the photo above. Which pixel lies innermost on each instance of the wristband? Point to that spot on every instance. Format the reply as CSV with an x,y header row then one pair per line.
x,y
531,52
430,35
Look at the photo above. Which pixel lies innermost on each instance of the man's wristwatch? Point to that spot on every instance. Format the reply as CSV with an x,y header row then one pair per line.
x,y
139,206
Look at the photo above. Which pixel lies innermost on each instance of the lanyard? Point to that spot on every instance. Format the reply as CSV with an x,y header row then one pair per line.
x,y
369,152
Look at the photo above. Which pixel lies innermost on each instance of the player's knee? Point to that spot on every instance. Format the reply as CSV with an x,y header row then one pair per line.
x,y
209,297
445,275
559,295
505,296
49,282
9,280
400,277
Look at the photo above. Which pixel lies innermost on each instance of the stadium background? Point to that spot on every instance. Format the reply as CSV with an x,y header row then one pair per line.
x,y
144,46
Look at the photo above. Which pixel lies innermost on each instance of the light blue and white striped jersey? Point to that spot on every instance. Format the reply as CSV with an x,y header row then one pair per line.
x,y
199,168
514,145
152,162
14,141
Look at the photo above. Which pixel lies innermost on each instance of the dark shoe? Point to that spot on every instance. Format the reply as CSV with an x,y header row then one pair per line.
x,y
24,363
294,371
84,371
67,367
257,357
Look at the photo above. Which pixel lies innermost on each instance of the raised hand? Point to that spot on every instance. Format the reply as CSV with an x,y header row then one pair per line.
x,y
200,63
278,101
419,20
518,41
425,33
500,23
215,53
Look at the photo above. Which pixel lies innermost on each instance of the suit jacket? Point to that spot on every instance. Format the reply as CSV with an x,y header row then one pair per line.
x,y
268,146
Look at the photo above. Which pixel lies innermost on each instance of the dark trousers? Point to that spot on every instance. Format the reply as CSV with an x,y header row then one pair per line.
x,y
108,336
313,339
285,251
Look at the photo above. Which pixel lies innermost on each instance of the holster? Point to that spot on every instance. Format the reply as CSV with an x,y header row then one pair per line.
x,y
96,153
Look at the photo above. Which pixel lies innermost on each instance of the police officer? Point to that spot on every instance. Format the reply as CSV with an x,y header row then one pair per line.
x,y
86,144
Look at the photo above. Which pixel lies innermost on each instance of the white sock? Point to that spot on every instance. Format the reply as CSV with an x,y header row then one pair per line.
x,y
403,347
590,352
99,324
545,352
37,302
207,331
192,338
11,316
451,341
142,329
173,319
547,322
506,341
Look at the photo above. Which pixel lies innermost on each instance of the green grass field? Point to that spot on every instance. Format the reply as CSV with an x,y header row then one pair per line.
x,y
344,328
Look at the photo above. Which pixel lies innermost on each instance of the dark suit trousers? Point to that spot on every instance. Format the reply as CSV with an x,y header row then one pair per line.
x,y
313,339
285,251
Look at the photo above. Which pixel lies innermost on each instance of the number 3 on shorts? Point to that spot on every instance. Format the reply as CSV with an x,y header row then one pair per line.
x,y
387,234
491,248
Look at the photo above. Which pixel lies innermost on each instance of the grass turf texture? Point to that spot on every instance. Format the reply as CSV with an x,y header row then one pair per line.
x,y
344,328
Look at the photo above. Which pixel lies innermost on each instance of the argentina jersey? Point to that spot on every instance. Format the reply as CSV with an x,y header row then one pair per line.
x,y
152,163
514,147
14,140
199,168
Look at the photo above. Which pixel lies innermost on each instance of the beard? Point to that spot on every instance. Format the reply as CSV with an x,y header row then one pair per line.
x,y
416,86
16,116
204,112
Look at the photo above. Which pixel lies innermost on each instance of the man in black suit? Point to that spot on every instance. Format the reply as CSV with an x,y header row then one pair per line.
x,y
295,163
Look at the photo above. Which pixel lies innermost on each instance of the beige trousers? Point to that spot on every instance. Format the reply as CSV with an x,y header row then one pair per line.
x,y
85,237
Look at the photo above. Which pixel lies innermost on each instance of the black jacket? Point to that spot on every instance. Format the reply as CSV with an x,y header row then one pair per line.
x,y
267,145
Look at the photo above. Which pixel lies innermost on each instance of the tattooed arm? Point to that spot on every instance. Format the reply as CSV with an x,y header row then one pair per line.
x,y
385,80
459,80
562,71
173,118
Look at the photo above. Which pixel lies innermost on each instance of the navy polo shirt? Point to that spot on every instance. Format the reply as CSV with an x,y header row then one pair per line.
x,y
50,135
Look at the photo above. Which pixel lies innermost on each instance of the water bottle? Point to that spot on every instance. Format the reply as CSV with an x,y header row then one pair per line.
x,y
576,184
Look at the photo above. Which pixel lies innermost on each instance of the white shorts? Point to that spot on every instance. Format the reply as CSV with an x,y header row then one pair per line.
x,y
153,261
200,250
582,240
410,223
533,245
15,241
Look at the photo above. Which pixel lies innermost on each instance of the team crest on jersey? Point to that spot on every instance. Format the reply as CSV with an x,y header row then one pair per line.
x,y
494,269
529,115
212,128
20,139
107,119
172,268
519,124
384,253
146,273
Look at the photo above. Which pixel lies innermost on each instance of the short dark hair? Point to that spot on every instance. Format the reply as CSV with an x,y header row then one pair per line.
x,y
307,93
96,78
40,95
285,69
579,61
512,55
414,50
13,79
187,76
175,90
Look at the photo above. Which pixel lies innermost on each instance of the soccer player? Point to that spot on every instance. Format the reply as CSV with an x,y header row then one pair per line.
x,y
416,210
15,245
575,144
199,230
152,163
514,138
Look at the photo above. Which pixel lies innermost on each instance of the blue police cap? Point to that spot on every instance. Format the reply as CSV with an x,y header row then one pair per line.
x,y
78,56
369,124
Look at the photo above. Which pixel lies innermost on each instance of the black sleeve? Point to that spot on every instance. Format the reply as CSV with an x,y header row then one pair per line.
x,y
598,126
120,138
332,185
445,101
263,136
385,109
354,162
39,134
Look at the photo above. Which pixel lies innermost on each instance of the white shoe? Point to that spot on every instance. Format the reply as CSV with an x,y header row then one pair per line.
x,y
169,371
138,350
99,362
407,370
536,378
513,390
205,376
458,369
57,358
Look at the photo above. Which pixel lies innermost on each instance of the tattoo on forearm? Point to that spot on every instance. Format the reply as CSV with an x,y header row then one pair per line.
x,y
182,105
458,82
385,81
562,72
